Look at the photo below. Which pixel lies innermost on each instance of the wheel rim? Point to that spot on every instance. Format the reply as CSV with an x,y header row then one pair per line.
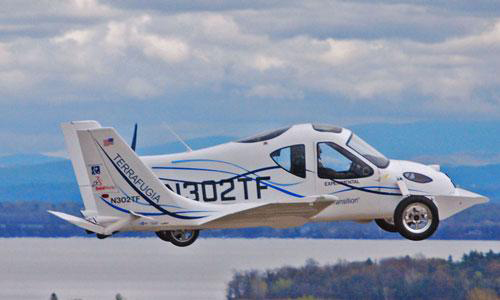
x,y
417,217
182,236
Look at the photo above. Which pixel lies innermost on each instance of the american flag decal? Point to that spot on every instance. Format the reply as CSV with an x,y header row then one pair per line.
x,y
107,142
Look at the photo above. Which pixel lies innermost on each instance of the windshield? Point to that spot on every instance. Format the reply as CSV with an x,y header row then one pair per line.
x,y
367,151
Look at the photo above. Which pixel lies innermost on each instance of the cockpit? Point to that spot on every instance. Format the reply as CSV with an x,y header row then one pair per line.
x,y
343,155
337,162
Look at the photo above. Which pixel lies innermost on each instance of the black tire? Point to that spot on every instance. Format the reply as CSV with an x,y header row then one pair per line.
x,y
164,235
101,236
386,226
417,210
180,238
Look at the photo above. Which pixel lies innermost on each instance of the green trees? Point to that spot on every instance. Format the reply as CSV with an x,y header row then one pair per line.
x,y
119,297
476,276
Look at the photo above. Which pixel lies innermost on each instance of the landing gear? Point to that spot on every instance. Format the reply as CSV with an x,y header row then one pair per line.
x,y
387,224
101,236
164,235
180,238
416,218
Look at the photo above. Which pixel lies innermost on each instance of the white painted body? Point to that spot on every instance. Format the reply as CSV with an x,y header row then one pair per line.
x,y
217,177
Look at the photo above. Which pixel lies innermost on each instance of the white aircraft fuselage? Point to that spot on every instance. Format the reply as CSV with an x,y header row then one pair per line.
x,y
287,177
240,172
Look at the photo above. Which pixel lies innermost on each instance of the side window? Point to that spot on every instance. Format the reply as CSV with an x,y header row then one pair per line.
x,y
292,159
334,162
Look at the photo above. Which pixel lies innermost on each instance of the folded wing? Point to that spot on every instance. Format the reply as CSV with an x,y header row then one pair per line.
x,y
277,215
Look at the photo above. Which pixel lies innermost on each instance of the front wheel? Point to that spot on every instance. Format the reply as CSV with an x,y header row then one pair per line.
x,y
416,218
180,238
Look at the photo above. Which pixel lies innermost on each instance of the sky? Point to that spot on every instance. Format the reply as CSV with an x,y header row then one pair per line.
x,y
224,67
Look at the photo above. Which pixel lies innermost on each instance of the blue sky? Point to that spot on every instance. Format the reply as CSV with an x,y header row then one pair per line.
x,y
237,67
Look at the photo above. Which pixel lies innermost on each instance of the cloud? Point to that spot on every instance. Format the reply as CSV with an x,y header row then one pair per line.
x,y
263,62
79,37
140,88
382,60
167,49
274,91
5,55
139,54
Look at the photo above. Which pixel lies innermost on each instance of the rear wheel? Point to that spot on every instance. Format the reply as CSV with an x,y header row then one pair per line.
x,y
416,218
387,224
164,235
180,238
101,236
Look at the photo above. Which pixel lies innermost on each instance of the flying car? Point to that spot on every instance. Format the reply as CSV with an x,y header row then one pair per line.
x,y
281,178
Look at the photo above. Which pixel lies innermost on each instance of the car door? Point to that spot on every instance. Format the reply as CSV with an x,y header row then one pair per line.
x,y
352,179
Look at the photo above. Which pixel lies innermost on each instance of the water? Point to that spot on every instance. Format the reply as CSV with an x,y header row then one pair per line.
x,y
33,268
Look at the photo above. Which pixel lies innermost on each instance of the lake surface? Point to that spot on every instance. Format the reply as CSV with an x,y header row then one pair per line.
x,y
33,268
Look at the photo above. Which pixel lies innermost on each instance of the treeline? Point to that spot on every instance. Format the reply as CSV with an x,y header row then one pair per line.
x,y
476,276
30,219
118,296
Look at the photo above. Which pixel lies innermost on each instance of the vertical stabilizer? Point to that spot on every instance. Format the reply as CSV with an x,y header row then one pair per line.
x,y
76,156
121,184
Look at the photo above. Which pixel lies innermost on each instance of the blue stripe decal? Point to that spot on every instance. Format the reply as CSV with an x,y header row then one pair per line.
x,y
263,182
209,160
193,211
236,175
147,204
236,166
255,171
282,190
142,195
350,187
193,169
270,184
152,213
128,212
363,188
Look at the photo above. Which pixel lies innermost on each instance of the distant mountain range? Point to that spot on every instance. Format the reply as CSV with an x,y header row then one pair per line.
x,y
174,147
480,179
436,141
40,177
25,159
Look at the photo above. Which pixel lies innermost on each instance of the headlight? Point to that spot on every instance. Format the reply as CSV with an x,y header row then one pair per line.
x,y
417,177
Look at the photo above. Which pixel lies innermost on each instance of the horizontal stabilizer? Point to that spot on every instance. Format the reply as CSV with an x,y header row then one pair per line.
x,y
79,222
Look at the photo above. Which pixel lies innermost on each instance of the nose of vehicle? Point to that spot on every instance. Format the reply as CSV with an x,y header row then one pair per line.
x,y
423,179
449,199
457,201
